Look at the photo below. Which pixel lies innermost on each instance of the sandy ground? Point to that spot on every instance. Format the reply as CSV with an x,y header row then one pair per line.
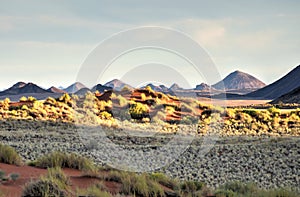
x,y
27,174
233,103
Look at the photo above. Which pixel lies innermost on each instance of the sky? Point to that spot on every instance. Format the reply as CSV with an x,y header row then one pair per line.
x,y
47,42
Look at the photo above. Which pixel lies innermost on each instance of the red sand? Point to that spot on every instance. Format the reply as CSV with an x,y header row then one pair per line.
x,y
27,173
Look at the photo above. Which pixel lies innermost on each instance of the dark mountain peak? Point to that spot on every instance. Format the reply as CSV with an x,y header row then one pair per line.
x,y
285,84
239,80
19,84
101,88
23,88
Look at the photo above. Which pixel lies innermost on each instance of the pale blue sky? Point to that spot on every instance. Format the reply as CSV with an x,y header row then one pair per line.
x,y
47,41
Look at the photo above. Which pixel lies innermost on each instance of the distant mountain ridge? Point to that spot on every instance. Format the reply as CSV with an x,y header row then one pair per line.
x,y
74,87
175,87
22,88
117,84
203,87
55,90
101,88
280,87
239,80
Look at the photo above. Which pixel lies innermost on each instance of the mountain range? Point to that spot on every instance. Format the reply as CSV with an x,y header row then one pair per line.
x,y
236,83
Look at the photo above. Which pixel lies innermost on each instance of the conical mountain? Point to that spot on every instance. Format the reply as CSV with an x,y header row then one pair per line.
x,y
238,80
280,87
117,85
175,87
74,87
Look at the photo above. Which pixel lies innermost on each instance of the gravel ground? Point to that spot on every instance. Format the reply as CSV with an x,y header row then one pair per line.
x,y
268,161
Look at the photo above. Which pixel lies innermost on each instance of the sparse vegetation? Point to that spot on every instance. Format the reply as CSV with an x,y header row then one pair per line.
x,y
97,190
236,189
4,177
146,105
9,155
63,160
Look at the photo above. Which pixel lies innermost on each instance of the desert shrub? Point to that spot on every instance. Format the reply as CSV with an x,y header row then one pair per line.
x,y
96,190
63,160
5,104
159,117
138,110
115,176
191,187
225,193
43,188
31,98
240,188
186,108
237,189
274,111
9,155
89,101
54,183
230,113
23,98
143,96
279,192
122,101
14,176
105,115
165,181
24,107
140,185
189,120
56,175
50,101
65,98
245,117
4,177
252,112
